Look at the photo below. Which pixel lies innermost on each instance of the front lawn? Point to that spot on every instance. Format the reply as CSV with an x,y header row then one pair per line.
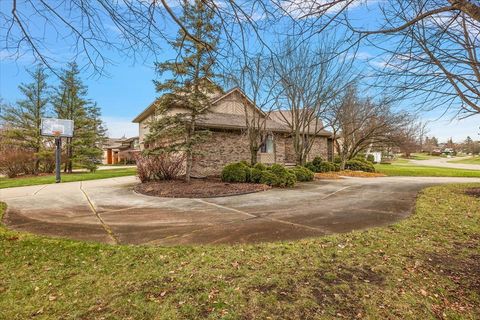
x,y
422,156
472,160
76,176
427,266
424,171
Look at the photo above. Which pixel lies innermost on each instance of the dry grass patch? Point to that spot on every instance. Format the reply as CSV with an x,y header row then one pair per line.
x,y
327,175
360,174
348,173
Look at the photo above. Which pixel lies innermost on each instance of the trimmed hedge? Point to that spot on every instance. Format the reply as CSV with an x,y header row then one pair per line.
x,y
318,165
236,172
303,174
357,165
275,175
326,167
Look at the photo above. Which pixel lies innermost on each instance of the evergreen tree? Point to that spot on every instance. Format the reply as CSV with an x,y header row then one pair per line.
x,y
189,89
23,119
70,102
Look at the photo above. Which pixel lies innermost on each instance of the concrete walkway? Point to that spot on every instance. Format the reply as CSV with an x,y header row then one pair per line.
x,y
109,211
443,162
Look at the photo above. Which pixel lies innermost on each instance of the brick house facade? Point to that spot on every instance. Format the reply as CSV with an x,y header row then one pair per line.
x,y
228,141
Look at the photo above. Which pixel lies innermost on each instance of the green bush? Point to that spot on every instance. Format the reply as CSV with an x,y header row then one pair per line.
x,y
310,166
260,166
357,165
285,178
269,178
337,159
303,174
371,158
256,175
236,172
326,167
317,161
275,175
337,166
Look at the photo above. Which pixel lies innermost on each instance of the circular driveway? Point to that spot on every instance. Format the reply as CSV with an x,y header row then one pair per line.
x,y
109,211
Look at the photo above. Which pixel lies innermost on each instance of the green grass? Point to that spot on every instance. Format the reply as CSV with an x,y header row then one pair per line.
x,y
472,160
424,267
77,176
424,171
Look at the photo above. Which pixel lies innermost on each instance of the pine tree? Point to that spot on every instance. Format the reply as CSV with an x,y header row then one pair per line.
x,y
189,88
24,118
70,102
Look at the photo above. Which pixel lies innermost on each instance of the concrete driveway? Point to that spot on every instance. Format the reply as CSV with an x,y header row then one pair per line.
x,y
109,211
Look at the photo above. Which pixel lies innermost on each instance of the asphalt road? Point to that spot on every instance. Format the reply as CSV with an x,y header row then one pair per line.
x,y
110,211
444,162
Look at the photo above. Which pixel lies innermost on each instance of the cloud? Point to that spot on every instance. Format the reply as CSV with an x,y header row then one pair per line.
x,y
119,127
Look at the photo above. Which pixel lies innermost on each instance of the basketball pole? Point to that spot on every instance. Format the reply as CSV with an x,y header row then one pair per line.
x,y
58,153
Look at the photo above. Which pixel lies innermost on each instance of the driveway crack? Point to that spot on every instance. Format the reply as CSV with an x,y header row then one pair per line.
x,y
267,218
105,226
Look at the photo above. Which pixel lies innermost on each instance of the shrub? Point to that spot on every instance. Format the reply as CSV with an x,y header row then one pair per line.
x,y
236,172
256,175
163,166
337,166
310,166
303,174
371,158
47,160
285,178
260,166
357,165
326,167
15,161
317,161
337,159
269,178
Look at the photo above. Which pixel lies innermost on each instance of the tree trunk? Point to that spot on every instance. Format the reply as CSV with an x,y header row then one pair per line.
x,y
253,156
189,152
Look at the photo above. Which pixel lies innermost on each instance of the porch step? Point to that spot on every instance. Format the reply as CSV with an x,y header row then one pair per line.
x,y
290,164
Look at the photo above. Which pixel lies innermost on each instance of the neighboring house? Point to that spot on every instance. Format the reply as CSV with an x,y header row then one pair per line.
x,y
226,120
121,150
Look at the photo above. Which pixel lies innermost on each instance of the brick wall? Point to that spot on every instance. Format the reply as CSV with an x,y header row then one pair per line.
x,y
223,147
319,148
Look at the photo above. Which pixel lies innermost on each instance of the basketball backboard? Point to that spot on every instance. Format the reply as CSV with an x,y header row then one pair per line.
x,y
57,127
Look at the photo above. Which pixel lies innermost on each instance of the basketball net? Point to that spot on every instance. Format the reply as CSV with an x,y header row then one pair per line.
x,y
56,133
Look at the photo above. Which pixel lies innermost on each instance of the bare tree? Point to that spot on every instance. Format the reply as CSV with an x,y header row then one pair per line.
x,y
409,137
434,61
361,123
310,82
254,78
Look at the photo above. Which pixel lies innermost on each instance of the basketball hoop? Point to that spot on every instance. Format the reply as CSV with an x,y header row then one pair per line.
x,y
57,128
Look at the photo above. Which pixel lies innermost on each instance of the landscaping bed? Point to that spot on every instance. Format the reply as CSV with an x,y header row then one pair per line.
x,y
197,188
348,173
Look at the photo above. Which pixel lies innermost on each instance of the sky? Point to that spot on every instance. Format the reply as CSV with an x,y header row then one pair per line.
x,y
128,89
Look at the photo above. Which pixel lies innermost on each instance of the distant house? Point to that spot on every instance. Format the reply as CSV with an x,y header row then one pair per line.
x,y
226,120
120,150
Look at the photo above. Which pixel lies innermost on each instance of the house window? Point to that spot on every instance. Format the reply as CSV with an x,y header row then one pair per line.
x,y
267,145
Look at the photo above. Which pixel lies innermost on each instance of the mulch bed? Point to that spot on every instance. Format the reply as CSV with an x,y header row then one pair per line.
x,y
473,192
348,173
197,188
